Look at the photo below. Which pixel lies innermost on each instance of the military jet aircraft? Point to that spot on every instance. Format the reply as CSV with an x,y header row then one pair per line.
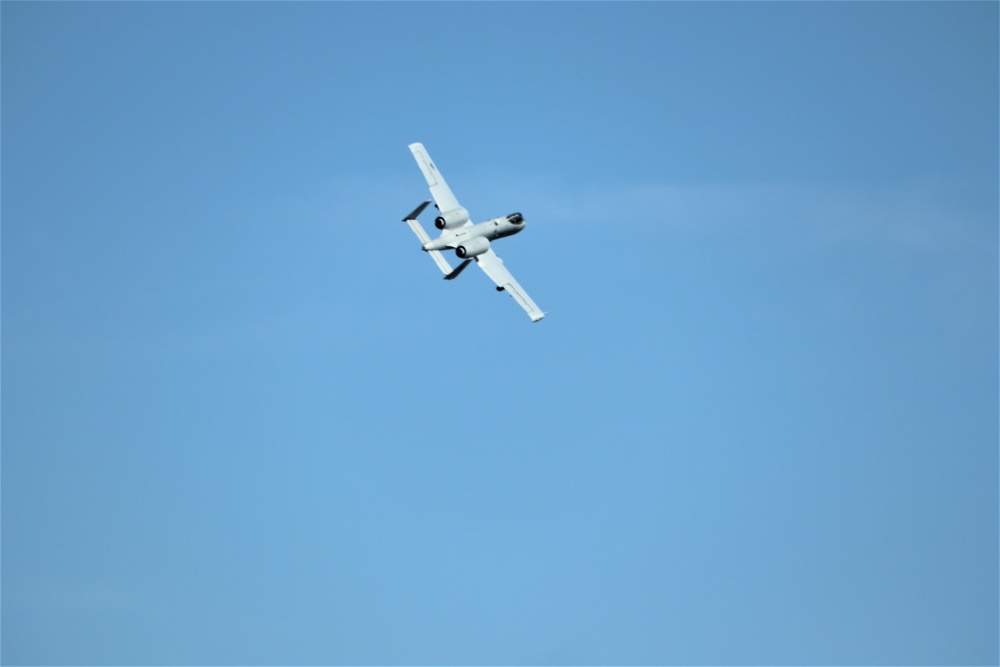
x,y
470,241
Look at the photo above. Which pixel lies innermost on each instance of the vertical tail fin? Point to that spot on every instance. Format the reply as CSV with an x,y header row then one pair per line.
x,y
436,255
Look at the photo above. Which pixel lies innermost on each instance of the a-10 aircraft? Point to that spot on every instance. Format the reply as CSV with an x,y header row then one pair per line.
x,y
470,241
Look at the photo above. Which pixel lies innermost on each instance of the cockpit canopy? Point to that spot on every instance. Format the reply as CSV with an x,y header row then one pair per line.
x,y
515,218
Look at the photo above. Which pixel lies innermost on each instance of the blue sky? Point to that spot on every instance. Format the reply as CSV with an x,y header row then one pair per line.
x,y
246,422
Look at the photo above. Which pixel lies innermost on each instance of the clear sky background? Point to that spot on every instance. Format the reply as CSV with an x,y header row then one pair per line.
x,y
245,421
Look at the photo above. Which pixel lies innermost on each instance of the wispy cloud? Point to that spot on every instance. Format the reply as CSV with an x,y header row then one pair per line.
x,y
808,215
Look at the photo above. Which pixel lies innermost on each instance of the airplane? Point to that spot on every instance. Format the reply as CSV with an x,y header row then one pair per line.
x,y
470,241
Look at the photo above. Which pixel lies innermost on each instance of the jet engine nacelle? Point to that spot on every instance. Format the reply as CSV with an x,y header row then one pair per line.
x,y
456,217
473,247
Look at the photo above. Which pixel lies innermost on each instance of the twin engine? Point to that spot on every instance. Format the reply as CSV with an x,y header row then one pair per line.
x,y
473,247
451,219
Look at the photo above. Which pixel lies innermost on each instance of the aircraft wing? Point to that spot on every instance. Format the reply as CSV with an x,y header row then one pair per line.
x,y
442,194
498,273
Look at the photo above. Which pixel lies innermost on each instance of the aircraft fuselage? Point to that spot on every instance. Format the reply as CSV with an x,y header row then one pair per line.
x,y
497,228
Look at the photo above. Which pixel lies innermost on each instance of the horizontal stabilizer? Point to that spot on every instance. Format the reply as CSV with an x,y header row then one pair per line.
x,y
435,254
